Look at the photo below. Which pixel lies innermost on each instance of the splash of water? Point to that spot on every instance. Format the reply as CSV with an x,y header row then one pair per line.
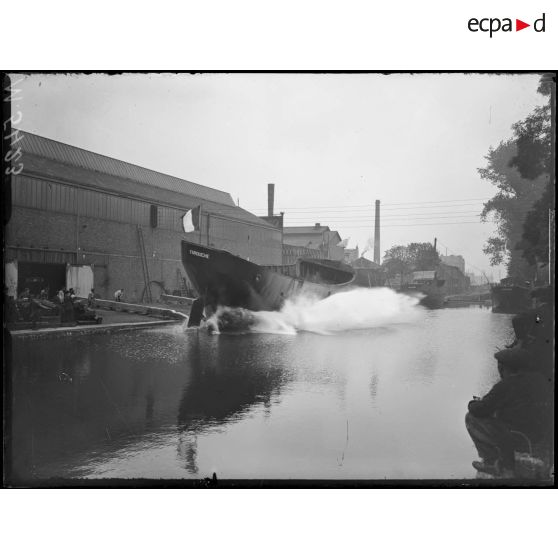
x,y
351,310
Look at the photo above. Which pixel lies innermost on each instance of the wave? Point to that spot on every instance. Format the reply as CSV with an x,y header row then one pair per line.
x,y
345,311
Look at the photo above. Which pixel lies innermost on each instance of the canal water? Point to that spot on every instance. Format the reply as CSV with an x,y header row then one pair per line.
x,y
381,401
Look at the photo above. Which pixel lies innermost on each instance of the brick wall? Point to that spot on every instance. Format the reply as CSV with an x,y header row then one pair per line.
x,y
111,248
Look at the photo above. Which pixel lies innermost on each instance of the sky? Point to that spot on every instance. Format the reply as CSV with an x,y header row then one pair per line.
x,y
331,143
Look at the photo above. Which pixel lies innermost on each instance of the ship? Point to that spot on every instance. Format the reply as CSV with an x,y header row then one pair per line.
x,y
510,297
223,279
428,287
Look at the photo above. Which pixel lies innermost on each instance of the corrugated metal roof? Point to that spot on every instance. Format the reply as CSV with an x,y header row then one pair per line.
x,y
75,156
49,168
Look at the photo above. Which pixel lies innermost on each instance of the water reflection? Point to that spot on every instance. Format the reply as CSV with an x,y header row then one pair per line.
x,y
222,389
386,402
70,396
188,451
373,387
106,395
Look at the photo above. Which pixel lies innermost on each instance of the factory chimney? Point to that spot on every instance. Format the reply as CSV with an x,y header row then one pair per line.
x,y
270,199
377,257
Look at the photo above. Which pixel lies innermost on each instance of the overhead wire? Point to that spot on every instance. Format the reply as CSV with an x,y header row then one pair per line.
x,y
371,204
415,224
417,216
367,207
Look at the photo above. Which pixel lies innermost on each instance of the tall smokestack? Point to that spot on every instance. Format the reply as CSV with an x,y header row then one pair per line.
x,y
270,199
377,234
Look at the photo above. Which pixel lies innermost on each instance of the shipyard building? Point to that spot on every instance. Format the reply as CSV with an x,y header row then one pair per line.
x,y
316,241
80,219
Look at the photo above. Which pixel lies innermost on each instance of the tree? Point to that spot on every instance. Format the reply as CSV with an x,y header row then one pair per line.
x,y
423,256
396,261
532,135
417,256
509,207
521,168
534,241
536,158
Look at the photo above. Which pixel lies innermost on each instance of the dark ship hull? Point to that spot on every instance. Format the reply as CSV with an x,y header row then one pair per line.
x,y
222,279
430,297
510,299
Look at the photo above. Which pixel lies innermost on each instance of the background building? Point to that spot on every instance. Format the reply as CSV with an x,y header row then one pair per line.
x,y
455,280
455,261
80,219
318,238
292,253
368,273
350,255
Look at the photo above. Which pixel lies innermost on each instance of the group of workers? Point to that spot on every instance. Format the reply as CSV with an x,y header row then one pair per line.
x,y
65,303
516,415
24,308
67,299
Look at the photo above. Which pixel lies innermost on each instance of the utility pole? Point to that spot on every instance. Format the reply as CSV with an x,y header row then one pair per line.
x,y
550,80
551,245
200,223
377,256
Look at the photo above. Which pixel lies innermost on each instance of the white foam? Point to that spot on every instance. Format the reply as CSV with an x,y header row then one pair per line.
x,y
346,311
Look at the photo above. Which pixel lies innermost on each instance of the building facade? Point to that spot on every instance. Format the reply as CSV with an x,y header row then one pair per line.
x,y
318,237
79,219
455,281
368,273
350,255
291,254
455,261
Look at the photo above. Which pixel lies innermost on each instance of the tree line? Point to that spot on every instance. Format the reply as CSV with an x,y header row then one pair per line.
x,y
522,170
418,256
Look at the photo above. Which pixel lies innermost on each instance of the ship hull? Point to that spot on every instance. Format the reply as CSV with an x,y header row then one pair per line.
x,y
223,279
510,299
430,297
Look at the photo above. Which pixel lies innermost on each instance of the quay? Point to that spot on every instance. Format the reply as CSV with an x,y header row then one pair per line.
x,y
156,311
115,316
87,329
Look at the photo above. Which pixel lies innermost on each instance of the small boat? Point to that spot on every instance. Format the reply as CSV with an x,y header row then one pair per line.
x,y
223,279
